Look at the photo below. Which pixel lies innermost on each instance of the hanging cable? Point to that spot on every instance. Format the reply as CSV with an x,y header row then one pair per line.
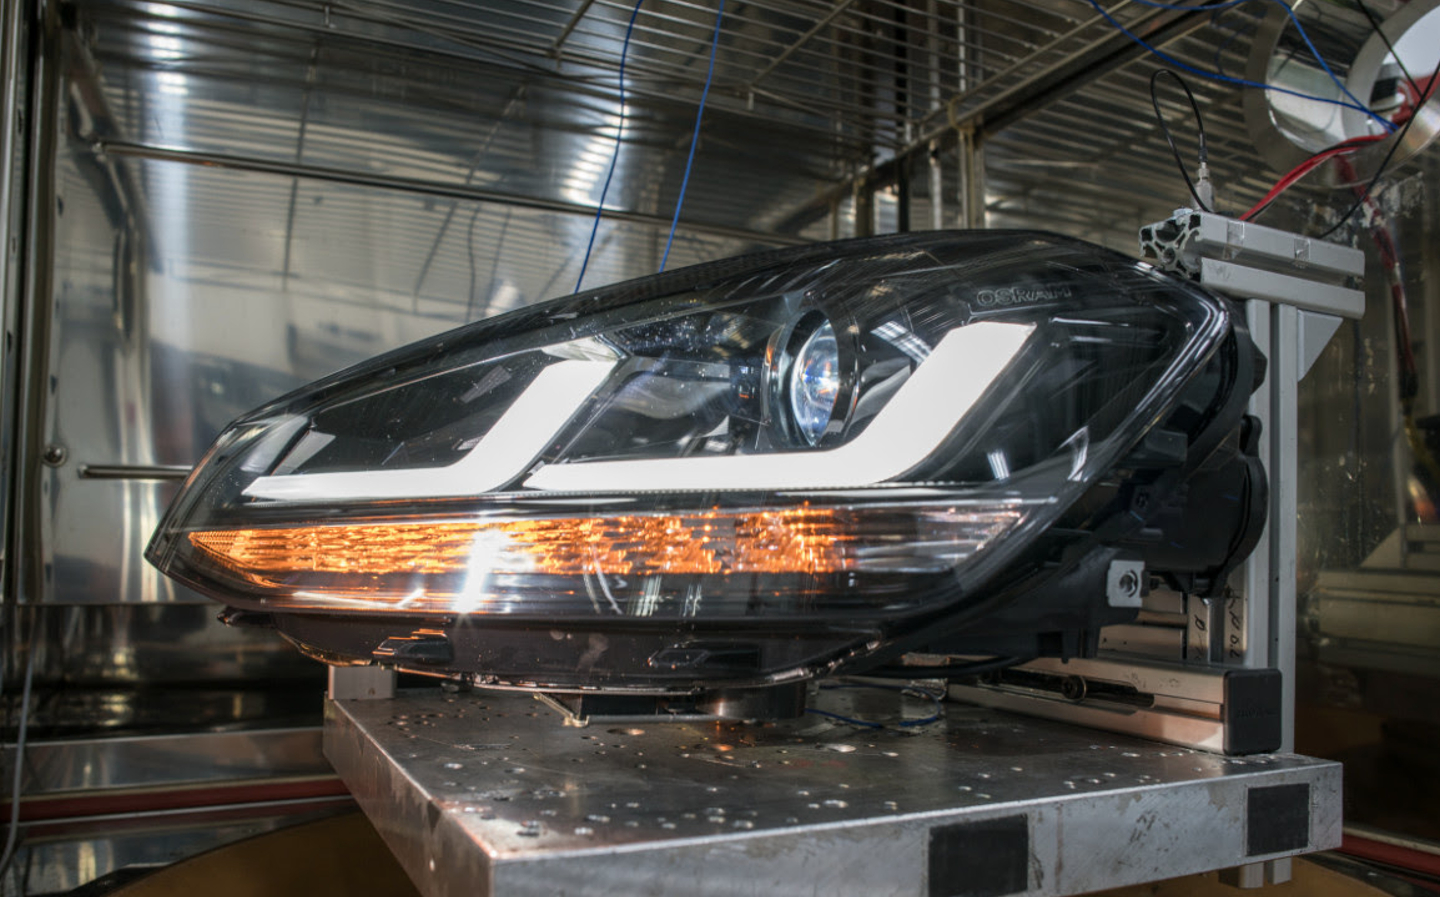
x,y
470,255
1380,32
1291,177
1204,155
1236,32
695,138
1305,36
1214,76
619,133
1395,142
12,837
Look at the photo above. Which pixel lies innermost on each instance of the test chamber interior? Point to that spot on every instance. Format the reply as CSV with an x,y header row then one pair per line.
x,y
218,202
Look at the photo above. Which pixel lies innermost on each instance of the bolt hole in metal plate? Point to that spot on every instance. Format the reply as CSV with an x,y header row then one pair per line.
x,y
492,790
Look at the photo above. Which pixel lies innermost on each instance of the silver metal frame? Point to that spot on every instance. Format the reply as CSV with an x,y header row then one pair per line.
x,y
461,813
1306,287
490,794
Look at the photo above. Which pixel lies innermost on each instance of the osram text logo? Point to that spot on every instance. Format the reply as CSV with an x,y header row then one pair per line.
x,y
1020,296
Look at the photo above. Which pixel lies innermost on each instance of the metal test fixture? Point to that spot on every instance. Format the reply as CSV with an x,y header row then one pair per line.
x,y
498,793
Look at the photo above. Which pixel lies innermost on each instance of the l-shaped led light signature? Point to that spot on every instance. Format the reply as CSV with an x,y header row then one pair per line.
x,y
910,426
965,362
520,434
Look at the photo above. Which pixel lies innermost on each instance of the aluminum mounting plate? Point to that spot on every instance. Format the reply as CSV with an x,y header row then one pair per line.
x,y
484,793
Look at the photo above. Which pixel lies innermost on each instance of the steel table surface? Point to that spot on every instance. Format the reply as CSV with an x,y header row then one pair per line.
x,y
490,793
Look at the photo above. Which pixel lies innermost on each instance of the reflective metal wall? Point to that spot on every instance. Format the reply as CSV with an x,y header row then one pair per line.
x,y
239,203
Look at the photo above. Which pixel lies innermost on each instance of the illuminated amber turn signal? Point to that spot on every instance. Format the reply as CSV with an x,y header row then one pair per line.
x,y
790,541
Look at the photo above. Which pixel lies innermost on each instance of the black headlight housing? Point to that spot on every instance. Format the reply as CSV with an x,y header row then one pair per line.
x,y
750,472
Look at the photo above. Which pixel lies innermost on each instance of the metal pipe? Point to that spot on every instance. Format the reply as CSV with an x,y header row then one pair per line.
x,y
310,72
937,173
24,583
134,471
799,42
516,95
1004,108
570,27
415,185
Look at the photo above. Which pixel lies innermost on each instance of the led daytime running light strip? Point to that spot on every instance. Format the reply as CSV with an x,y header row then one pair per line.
x,y
521,433
938,395
911,426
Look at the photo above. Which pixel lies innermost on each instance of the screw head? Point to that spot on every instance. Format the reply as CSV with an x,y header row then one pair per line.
x,y
54,455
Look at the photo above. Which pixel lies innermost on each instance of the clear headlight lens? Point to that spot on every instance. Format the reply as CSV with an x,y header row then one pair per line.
x,y
815,382
843,440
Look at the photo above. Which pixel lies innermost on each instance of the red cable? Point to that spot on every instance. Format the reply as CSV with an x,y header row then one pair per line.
x,y
1395,855
1305,167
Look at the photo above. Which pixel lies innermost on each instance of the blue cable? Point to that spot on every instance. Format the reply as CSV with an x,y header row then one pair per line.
x,y
695,139
1304,35
619,132
1235,34
1243,82
844,719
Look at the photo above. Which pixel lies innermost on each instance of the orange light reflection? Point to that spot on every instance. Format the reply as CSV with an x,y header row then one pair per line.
x,y
805,540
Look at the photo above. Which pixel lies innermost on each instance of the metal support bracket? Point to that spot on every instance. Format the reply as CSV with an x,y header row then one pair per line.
x,y
361,683
1217,674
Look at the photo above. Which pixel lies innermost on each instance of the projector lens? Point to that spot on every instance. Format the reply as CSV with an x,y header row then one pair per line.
x,y
814,383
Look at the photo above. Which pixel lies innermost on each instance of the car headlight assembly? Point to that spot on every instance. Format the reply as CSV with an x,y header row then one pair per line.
x,y
750,472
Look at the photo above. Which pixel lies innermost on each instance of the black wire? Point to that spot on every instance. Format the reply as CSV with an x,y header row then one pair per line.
x,y
1170,138
494,267
947,671
1375,23
939,710
1395,141
1260,211
470,253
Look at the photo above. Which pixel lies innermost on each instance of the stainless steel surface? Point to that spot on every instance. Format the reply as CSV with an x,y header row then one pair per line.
x,y
63,858
99,764
360,683
15,44
93,646
490,794
1170,703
